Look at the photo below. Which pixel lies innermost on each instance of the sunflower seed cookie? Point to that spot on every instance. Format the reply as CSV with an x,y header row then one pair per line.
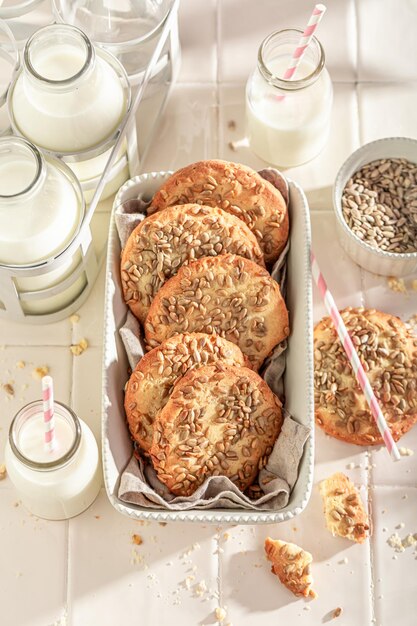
x,y
292,566
155,375
220,420
388,353
343,508
226,295
237,189
163,242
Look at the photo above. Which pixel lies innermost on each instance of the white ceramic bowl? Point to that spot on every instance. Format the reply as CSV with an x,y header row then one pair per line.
x,y
373,259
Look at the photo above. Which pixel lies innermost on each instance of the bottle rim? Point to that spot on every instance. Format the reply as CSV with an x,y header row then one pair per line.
x,y
38,158
89,57
285,83
49,465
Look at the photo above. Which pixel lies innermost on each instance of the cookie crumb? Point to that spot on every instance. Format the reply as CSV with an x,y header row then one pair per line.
x,y
350,466
220,614
232,146
162,523
231,125
8,388
337,612
97,516
409,540
400,525
39,372
188,581
20,365
137,539
396,284
344,561
405,451
226,536
3,472
414,285
200,588
74,319
79,348
394,541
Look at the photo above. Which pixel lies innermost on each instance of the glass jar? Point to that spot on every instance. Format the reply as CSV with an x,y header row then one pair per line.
x,y
129,30
24,17
9,63
41,211
70,98
56,484
288,121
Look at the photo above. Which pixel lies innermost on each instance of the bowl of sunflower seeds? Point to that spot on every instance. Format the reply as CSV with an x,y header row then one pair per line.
x,y
375,201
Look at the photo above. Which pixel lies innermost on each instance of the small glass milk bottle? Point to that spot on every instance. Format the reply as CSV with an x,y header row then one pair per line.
x,y
56,484
288,121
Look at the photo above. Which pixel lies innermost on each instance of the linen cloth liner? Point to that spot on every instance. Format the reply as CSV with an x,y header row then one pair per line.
x,y
139,483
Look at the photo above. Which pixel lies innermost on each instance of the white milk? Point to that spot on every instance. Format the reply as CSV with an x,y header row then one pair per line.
x,y
72,120
292,130
34,230
64,490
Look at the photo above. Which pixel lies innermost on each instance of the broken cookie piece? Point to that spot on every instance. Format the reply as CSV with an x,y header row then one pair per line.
x,y
292,566
343,508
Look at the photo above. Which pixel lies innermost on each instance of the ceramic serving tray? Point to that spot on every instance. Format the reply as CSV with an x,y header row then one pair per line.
x,y
298,377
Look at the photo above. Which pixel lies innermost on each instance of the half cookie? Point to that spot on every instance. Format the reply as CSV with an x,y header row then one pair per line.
x,y
220,420
237,189
160,244
226,295
388,353
152,381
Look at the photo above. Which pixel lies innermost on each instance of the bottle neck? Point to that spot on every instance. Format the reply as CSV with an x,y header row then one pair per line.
x,y
275,55
24,429
58,58
22,170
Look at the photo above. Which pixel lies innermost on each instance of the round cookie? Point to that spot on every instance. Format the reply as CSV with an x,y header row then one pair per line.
x,y
238,190
152,380
226,295
389,355
220,420
163,242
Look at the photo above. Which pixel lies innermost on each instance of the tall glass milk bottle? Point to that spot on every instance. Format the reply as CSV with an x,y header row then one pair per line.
x,y
288,121
41,212
70,98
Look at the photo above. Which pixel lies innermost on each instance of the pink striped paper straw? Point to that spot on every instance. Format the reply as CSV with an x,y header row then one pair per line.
x,y
304,42
305,39
48,412
354,360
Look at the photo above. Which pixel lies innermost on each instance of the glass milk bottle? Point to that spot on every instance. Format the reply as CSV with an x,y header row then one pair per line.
x,y
41,211
288,121
70,98
55,484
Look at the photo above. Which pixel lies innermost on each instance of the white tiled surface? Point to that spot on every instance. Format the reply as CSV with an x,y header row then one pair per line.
x,y
87,571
